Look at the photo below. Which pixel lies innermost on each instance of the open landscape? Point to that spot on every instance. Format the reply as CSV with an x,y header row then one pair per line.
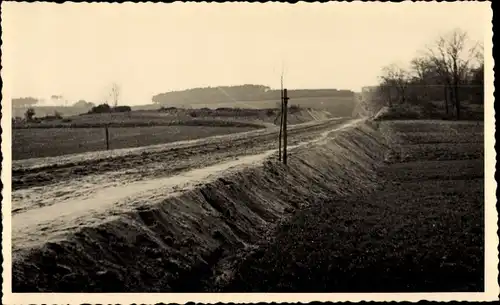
x,y
350,180
168,182
86,132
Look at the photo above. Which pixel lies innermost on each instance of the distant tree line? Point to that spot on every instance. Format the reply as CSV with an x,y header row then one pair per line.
x,y
227,94
449,71
24,102
28,111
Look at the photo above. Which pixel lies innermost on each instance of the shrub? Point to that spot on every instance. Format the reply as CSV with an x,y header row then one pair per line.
x,y
164,109
102,108
57,115
122,109
205,109
49,118
29,114
400,112
105,108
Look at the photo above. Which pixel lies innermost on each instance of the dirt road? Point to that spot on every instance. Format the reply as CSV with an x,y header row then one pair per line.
x,y
51,195
156,160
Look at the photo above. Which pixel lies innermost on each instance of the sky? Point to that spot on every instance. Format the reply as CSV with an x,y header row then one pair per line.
x,y
78,50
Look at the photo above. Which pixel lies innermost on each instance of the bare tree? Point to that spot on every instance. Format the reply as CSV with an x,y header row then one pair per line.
x,y
420,66
452,57
384,90
477,73
452,67
423,75
429,72
479,54
395,77
373,99
115,94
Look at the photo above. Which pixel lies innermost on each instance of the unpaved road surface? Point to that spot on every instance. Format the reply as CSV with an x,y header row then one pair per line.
x,y
156,160
56,195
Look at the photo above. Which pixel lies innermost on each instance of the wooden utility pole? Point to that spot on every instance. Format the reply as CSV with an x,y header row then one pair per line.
x,y
285,110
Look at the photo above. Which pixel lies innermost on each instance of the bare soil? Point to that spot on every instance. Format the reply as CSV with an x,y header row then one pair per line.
x,y
420,230
367,207
55,224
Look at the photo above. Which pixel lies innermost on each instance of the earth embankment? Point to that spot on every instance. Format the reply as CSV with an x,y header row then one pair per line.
x,y
161,240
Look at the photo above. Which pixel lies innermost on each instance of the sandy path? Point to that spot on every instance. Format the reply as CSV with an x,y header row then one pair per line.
x,y
43,213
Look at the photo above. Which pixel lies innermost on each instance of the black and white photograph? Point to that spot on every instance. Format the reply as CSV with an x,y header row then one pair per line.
x,y
227,152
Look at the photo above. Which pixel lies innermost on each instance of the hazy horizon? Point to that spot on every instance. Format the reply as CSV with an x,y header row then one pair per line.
x,y
79,50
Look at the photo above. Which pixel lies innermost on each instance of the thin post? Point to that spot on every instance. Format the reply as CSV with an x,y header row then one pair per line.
x,y
285,106
107,137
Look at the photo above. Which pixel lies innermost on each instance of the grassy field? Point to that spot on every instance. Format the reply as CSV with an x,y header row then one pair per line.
x,y
137,119
83,133
422,230
47,142
171,116
337,106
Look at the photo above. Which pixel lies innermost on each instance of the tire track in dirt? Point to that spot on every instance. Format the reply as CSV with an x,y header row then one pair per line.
x,y
169,158
82,181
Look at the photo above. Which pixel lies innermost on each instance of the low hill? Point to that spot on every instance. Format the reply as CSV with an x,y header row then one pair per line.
x,y
337,102
244,93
